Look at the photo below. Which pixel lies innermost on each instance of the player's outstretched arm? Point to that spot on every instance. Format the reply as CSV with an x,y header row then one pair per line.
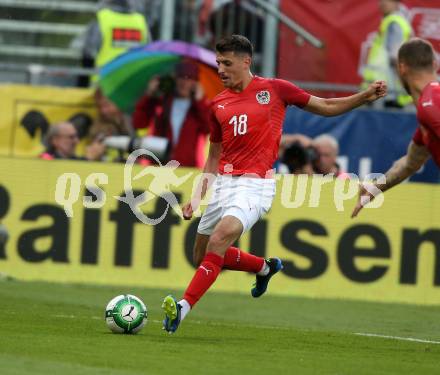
x,y
401,170
337,106
210,169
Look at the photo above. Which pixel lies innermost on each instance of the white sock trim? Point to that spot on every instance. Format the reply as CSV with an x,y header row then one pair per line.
x,y
186,308
264,270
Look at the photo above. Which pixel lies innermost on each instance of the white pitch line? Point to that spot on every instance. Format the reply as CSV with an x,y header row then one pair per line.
x,y
65,316
411,339
398,338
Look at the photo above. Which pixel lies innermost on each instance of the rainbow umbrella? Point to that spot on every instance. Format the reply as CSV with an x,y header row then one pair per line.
x,y
125,78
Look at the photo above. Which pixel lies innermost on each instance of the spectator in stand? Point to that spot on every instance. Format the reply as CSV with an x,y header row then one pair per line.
x,y
182,116
296,154
327,149
61,142
117,28
110,121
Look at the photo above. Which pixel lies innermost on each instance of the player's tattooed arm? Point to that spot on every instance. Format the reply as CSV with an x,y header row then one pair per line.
x,y
403,168
337,106
406,166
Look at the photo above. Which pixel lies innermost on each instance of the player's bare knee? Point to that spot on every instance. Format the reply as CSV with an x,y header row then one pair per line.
x,y
220,240
215,241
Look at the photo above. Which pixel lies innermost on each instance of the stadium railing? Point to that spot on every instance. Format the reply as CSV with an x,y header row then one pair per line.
x,y
255,18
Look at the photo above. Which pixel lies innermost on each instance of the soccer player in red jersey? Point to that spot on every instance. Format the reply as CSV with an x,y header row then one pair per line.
x,y
246,124
417,68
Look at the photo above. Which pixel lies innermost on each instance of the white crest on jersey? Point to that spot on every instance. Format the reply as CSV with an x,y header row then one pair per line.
x,y
427,104
263,97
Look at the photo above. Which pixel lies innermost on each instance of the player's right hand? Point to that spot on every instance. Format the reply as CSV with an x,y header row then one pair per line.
x,y
363,198
187,211
376,90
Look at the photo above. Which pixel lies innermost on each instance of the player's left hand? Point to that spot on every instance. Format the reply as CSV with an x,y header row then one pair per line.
x,y
363,198
376,90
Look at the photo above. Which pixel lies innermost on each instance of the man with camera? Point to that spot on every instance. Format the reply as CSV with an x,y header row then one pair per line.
x,y
181,116
300,154
296,154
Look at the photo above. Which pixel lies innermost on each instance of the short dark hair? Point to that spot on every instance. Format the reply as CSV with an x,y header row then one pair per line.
x,y
234,43
418,54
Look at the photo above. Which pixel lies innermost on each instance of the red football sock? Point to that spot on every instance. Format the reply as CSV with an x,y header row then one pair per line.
x,y
204,277
238,260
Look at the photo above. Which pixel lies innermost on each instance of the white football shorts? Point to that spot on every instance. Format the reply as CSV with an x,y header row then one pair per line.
x,y
245,198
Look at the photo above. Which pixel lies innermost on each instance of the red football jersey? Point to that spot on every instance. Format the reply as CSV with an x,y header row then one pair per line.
x,y
249,124
428,115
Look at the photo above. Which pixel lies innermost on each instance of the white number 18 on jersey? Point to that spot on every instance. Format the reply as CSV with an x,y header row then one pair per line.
x,y
240,124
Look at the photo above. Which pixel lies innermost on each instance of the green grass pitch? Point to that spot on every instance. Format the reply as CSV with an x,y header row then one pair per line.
x,y
60,329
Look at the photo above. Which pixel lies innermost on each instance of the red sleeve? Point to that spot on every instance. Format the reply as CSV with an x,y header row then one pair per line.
x,y
143,113
216,130
291,94
418,137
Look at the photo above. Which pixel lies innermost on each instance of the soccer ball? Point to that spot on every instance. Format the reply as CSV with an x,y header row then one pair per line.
x,y
125,314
